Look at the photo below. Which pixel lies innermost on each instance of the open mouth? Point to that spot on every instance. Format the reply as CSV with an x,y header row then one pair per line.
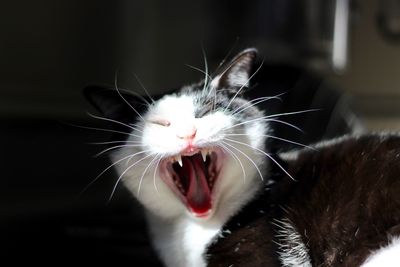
x,y
193,178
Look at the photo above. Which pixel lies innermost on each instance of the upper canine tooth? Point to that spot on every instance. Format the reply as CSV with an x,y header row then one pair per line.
x,y
204,155
179,160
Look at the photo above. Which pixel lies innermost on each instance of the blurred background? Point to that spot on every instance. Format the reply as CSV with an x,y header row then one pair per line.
x,y
50,50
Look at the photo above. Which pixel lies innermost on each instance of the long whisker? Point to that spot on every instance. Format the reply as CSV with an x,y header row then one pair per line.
x,y
114,121
244,154
123,173
285,123
140,126
236,159
115,142
244,85
291,113
109,167
278,138
136,94
207,77
254,102
144,89
155,172
227,55
115,147
200,70
263,152
144,172
104,130
268,118
123,98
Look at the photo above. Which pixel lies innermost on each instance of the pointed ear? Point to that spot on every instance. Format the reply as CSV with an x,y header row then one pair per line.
x,y
114,105
237,72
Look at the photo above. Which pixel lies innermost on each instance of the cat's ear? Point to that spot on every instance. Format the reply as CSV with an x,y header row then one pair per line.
x,y
115,104
237,73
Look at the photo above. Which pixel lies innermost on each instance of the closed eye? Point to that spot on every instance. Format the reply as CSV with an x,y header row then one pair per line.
x,y
201,112
161,122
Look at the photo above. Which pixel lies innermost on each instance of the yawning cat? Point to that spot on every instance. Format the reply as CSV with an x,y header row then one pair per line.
x,y
193,158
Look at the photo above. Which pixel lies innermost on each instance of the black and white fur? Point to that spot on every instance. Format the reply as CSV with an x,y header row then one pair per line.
x,y
215,112
342,209
214,116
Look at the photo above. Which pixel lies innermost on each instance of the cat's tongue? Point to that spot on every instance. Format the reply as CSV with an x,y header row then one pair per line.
x,y
198,195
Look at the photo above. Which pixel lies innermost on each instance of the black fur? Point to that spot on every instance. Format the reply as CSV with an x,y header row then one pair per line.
x,y
345,203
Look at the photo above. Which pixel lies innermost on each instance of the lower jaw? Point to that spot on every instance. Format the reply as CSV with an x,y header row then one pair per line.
x,y
203,215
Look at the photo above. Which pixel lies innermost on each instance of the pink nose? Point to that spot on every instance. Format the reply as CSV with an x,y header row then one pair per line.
x,y
188,134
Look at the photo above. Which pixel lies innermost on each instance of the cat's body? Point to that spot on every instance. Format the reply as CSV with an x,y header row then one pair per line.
x,y
194,158
342,210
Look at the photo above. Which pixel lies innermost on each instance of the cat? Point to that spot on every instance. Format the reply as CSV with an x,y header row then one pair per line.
x,y
342,209
192,158
199,160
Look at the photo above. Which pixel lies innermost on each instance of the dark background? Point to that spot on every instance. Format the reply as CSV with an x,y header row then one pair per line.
x,y
50,50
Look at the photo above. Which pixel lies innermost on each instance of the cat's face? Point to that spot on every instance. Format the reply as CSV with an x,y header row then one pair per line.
x,y
197,151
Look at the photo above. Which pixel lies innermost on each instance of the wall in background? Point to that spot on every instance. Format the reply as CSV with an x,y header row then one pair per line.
x,y
373,75
49,50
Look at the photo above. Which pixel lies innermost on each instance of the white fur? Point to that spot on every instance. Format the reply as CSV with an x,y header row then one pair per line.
x,y
180,238
292,250
388,256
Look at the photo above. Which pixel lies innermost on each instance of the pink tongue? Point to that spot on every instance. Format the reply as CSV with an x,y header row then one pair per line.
x,y
198,195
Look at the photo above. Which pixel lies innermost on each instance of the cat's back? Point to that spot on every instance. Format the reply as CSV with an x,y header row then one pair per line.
x,y
342,209
346,202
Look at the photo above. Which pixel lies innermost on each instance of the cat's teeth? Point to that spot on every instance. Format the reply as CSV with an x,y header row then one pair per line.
x,y
179,160
204,155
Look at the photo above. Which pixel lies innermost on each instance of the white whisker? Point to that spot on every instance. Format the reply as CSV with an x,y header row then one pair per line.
x,y
285,123
244,154
104,130
263,152
115,147
200,70
136,94
254,102
123,98
144,89
244,85
114,142
144,172
227,55
236,159
266,120
155,172
207,77
275,137
137,125
109,167
291,113
114,121
125,171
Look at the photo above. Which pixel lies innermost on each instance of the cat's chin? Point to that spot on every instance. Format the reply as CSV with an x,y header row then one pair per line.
x,y
194,178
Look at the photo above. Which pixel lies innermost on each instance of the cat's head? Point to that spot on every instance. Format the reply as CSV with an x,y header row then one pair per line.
x,y
197,151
